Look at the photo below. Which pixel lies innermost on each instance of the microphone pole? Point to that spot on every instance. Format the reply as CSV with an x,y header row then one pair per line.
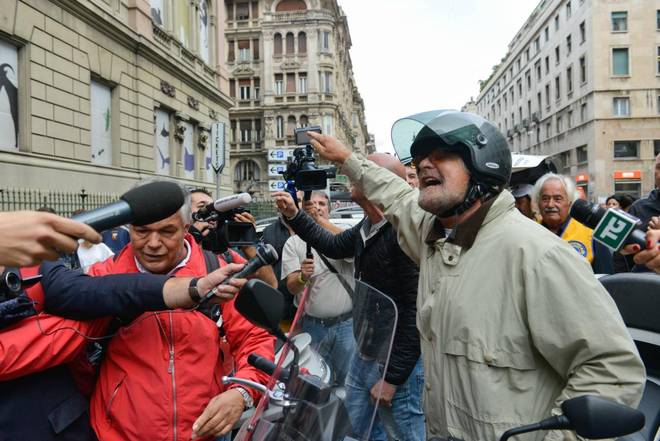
x,y
307,197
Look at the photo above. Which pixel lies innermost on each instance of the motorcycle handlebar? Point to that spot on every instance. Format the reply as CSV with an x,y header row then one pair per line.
x,y
267,366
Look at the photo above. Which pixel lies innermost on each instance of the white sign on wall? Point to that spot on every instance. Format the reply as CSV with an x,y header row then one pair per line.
x,y
187,155
162,136
218,146
276,185
276,169
279,154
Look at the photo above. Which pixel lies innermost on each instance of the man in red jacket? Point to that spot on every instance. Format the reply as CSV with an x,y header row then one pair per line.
x,y
160,377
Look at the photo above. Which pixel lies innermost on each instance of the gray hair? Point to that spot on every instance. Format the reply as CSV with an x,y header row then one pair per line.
x,y
322,194
186,209
569,186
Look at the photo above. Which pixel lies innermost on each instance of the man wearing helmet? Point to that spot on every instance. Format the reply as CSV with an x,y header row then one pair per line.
x,y
512,321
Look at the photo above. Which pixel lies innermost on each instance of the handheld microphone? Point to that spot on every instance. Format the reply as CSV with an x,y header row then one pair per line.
x,y
266,255
140,206
223,204
613,228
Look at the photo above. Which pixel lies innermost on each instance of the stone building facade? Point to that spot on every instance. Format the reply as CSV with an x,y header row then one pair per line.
x,y
289,66
100,93
581,81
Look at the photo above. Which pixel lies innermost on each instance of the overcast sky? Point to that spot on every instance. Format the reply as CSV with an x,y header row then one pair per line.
x,y
417,55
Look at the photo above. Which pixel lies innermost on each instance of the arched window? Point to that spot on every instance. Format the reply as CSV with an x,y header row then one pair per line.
x,y
304,122
290,125
247,170
277,44
279,127
291,5
302,43
290,46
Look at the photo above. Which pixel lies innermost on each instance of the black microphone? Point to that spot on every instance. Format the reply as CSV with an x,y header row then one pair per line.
x,y
590,215
266,255
140,206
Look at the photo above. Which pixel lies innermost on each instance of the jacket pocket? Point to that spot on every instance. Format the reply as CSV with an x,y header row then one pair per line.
x,y
115,396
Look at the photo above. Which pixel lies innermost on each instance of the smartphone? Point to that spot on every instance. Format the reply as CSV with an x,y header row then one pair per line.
x,y
302,138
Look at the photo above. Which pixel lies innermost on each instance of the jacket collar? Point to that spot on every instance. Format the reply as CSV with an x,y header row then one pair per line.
x,y
465,233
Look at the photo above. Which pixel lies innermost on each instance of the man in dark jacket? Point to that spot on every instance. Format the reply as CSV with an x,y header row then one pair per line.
x,y
379,262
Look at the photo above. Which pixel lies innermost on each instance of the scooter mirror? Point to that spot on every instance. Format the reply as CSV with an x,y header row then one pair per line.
x,y
596,418
262,305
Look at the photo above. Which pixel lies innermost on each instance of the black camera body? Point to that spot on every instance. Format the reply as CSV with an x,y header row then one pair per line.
x,y
227,233
302,170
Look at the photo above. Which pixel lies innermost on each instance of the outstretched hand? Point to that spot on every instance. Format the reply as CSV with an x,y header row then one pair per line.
x,y
329,147
285,204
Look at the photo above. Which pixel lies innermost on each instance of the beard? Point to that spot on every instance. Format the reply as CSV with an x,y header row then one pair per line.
x,y
437,199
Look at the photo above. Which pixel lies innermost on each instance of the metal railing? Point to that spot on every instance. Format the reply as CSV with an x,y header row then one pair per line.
x,y
62,202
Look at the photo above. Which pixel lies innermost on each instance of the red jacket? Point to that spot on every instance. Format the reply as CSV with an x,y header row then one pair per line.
x,y
160,372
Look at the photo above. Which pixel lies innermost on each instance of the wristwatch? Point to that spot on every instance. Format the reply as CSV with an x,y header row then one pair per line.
x,y
193,292
247,398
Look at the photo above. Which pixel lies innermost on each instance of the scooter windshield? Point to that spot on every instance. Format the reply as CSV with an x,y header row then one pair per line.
x,y
339,348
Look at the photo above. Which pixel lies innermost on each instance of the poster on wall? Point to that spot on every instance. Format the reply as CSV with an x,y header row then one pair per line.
x,y
188,157
157,12
209,173
182,9
204,30
162,137
8,97
101,116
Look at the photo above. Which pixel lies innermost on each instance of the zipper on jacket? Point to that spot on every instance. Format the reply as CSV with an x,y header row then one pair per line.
x,y
172,372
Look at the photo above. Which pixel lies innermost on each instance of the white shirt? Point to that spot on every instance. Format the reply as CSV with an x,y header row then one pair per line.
x,y
96,253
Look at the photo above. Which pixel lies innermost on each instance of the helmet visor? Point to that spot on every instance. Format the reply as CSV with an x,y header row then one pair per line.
x,y
418,134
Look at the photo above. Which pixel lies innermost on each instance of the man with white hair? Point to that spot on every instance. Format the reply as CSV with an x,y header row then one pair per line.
x,y
554,196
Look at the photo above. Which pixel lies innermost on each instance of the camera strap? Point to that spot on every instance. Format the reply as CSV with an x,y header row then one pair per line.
x,y
342,280
213,311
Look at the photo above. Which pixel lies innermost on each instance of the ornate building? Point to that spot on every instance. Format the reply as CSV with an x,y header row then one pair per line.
x,y
96,94
289,67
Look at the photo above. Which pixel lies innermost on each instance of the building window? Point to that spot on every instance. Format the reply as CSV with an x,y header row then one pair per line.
x,y
528,80
569,119
569,45
546,33
620,61
242,11
583,33
290,83
568,10
279,84
626,149
547,95
8,97
325,41
583,70
560,124
557,88
621,106
290,44
657,60
290,126
246,170
243,50
302,43
327,124
244,88
255,49
657,19
326,82
101,123
582,154
547,65
659,104
279,127
537,45
569,80
556,22
656,147
557,55
246,130
158,12
162,141
583,112
302,81
277,44
257,88
537,67
633,188
304,121
548,130
620,21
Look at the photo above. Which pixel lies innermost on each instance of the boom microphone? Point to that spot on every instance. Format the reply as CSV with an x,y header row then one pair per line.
x,y
223,204
140,206
613,228
266,255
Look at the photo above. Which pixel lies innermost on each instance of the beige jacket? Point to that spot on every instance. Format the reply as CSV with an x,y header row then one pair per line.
x,y
511,325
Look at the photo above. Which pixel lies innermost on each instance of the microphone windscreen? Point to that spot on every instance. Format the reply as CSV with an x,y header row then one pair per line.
x,y
154,201
586,213
269,254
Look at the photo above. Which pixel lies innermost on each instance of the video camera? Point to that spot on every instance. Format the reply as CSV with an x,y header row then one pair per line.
x,y
301,172
12,284
15,305
224,231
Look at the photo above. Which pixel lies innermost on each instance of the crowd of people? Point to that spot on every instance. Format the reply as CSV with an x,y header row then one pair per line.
x,y
500,317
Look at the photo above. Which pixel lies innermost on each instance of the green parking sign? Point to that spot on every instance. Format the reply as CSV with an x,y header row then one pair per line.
x,y
613,229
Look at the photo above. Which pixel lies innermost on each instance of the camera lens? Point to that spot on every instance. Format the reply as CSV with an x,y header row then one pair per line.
x,y
11,282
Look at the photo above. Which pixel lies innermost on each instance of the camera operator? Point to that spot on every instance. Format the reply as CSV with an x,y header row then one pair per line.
x,y
29,237
201,230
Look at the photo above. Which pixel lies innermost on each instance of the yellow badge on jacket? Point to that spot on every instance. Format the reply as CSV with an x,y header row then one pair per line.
x,y
580,238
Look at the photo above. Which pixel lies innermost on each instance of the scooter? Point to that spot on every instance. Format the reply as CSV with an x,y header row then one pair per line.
x,y
299,406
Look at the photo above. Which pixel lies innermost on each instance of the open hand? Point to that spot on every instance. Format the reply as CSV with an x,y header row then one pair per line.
x,y
329,147
285,204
